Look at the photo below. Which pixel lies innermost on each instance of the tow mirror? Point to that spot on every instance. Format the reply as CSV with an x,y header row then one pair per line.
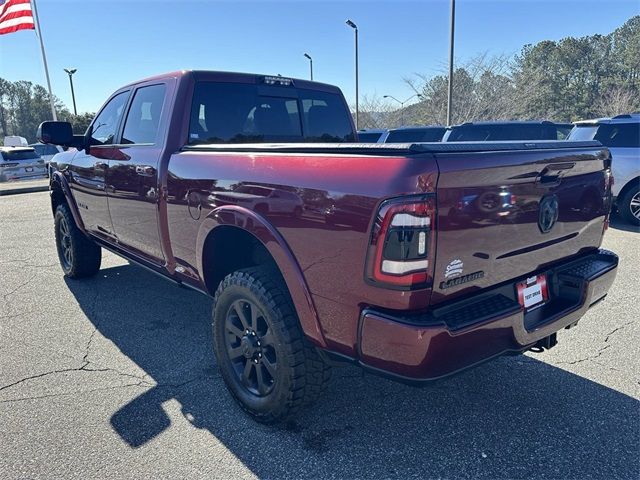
x,y
60,133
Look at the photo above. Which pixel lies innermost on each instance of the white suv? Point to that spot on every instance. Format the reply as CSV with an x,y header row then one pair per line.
x,y
621,134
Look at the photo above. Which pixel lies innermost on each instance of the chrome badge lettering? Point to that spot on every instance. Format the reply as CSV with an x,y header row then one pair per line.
x,y
454,282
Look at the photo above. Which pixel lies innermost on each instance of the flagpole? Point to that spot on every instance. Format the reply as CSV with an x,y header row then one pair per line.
x,y
44,58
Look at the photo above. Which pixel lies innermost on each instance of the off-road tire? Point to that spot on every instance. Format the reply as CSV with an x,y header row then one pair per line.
x,y
301,374
79,257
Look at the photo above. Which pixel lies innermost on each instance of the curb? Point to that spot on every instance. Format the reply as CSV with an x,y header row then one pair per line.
x,y
16,191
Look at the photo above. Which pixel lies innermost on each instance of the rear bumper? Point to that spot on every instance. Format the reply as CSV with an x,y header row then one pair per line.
x,y
448,339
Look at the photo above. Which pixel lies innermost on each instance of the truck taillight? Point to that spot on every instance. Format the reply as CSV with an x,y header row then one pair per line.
x,y
401,249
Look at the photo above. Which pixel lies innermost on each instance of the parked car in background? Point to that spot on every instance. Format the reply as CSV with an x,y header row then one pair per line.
x,y
46,152
507,130
15,141
621,134
427,133
372,135
20,162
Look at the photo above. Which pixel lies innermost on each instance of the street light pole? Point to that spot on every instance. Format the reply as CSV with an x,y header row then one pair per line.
x,y
355,28
450,89
70,72
310,64
402,104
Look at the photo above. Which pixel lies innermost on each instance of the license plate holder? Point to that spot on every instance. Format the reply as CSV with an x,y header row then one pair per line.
x,y
533,292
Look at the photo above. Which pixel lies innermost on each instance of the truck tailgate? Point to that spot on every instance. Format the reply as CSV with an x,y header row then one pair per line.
x,y
503,214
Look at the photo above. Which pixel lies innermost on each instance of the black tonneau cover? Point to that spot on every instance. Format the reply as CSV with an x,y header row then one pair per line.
x,y
393,148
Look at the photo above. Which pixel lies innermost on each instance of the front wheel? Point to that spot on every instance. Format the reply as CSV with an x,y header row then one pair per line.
x,y
267,364
629,205
79,257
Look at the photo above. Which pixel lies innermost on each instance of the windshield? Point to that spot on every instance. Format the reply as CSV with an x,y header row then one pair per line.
x,y
247,113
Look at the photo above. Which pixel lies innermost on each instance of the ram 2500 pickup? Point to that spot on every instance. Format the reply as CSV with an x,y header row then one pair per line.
x,y
411,260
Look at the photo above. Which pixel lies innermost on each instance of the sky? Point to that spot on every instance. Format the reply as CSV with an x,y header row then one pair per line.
x,y
112,43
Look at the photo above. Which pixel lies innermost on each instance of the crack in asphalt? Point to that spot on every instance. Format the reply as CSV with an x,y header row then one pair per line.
x,y
87,365
23,284
13,315
66,394
617,330
26,263
600,351
40,375
94,314
585,359
82,368
142,384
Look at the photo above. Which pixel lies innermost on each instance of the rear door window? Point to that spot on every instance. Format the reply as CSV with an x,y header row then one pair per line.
x,y
248,113
143,119
619,135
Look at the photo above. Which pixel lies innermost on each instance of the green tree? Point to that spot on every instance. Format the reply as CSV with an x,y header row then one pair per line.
x,y
24,105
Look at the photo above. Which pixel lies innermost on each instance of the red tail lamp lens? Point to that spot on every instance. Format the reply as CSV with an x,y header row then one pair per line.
x,y
402,243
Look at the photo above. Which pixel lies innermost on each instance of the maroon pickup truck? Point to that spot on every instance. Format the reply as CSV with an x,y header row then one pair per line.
x,y
411,260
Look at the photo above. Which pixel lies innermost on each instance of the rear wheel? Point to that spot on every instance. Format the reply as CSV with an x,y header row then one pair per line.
x,y
629,205
79,257
269,367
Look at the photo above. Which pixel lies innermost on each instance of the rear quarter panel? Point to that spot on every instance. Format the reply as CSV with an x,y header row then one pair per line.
x,y
328,238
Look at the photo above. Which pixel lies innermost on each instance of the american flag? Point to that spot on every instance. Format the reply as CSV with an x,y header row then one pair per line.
x,y
15,15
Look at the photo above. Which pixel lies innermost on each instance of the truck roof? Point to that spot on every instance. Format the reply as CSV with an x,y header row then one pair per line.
x,y
512,122
237,77
417,127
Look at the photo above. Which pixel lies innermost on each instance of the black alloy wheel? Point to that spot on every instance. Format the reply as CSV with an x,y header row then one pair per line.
x,y
250,347
269,367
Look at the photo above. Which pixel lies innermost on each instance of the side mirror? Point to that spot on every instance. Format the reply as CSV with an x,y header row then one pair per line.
x,y
60,133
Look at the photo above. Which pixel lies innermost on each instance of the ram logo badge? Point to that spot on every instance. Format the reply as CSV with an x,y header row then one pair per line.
x,y
548,213
454,268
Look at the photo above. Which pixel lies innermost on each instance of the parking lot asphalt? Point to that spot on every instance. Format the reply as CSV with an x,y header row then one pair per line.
x,y
114,377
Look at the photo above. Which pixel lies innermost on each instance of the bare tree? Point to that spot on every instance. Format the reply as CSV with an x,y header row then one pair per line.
x,y
482,90
375,112
615,101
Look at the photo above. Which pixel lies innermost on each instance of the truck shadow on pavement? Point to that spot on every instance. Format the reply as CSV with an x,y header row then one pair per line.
x,y
513,417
